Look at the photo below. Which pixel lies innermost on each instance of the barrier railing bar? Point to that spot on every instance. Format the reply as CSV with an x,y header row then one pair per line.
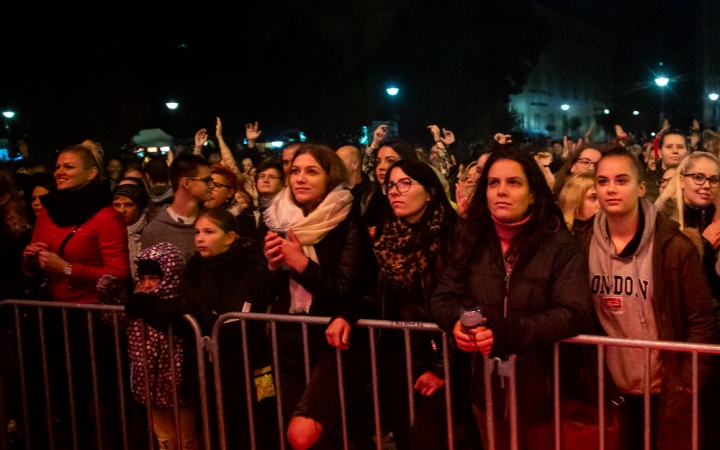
x,y
375,388
121,384
278,390
601,394
513,403
448,394
695,388
341,392
409,373
68,370
639,343
96,390
202,379
556,393
306,353
23,385
217,377
248,390
646,398
46,380
146,373
173,379
489,407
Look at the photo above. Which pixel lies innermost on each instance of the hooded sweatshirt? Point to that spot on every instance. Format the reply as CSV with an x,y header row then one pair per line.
x,y
165,229
622,293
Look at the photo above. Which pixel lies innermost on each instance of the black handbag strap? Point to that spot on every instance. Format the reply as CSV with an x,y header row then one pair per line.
x,y
65,241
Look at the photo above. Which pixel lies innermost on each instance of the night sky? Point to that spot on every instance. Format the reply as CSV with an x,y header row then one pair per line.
x,y
320,66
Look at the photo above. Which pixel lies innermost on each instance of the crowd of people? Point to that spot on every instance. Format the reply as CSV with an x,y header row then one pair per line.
x,y
543,240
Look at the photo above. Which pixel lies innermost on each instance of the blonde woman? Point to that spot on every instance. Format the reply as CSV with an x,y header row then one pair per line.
x,y
578,198
689,199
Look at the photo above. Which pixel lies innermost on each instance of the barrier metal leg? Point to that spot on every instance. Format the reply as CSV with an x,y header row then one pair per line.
x,y
646,406
448,394
219,403
306,352
121,387
96,391
513,404
248,389
46,381
601,394
695,387
278,395
23,385
202,378
375,388
341,391
68,370
410,381
489,407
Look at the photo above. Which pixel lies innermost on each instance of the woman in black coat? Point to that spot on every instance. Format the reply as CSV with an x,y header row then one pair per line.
x,y
521,267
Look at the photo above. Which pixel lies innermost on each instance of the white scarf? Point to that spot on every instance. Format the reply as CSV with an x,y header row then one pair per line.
x,y
310,229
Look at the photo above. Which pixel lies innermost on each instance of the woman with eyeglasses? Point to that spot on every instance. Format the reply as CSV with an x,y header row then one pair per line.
x,y
582,160
227,194
689,199
378,207
319,251
412,254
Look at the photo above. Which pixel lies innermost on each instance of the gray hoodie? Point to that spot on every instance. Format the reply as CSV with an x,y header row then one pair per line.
x,y
622,293
165,229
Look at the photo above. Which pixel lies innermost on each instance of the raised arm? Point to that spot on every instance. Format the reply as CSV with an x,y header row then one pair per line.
x,y
227,158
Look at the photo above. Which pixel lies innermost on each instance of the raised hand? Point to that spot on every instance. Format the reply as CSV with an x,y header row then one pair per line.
x,y
252,131
22,146
503,139
435,131
448,137
378,135
218,128
589,132
201,138
461,199
619,132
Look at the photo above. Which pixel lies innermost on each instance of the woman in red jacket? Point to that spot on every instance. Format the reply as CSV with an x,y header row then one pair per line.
x,y
78,237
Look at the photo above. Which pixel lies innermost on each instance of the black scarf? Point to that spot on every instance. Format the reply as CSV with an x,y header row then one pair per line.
x,y
76,206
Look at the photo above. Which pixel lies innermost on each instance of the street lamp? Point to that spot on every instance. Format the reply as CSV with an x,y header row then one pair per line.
x,y
565,107
607,111
636,113
662,82
9,114
392,91
172,105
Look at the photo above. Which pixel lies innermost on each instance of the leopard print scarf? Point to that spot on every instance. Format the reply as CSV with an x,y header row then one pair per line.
x,y
404,251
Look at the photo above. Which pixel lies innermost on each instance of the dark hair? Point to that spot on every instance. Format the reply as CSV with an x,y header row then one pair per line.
x,y
564,172
428,178
620,151
221,218
157,169
545,216
271,164
183,166
405,150
134,166
329,162
671,133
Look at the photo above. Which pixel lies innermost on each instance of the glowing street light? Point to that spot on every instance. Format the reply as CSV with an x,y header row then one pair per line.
x,y
392,91
172,105
713,96
565,107
607,111
9,114
662,81
636,113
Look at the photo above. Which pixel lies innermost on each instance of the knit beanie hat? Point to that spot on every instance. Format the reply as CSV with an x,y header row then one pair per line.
x,y
135,193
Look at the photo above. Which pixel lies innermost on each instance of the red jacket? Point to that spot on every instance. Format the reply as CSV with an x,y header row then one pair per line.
x,y
99,247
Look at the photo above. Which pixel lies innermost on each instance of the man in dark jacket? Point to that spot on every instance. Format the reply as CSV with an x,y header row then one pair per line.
x,y
647,282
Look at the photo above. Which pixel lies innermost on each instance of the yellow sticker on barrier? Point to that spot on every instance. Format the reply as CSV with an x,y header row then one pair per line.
x,y
264,383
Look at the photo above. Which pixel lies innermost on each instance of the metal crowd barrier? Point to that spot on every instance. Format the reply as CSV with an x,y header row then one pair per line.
x,y
207,350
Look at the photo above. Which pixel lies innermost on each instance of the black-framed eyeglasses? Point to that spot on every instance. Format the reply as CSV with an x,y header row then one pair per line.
x,y
586,162
207,180
217,186
699,179
663,181
403,185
